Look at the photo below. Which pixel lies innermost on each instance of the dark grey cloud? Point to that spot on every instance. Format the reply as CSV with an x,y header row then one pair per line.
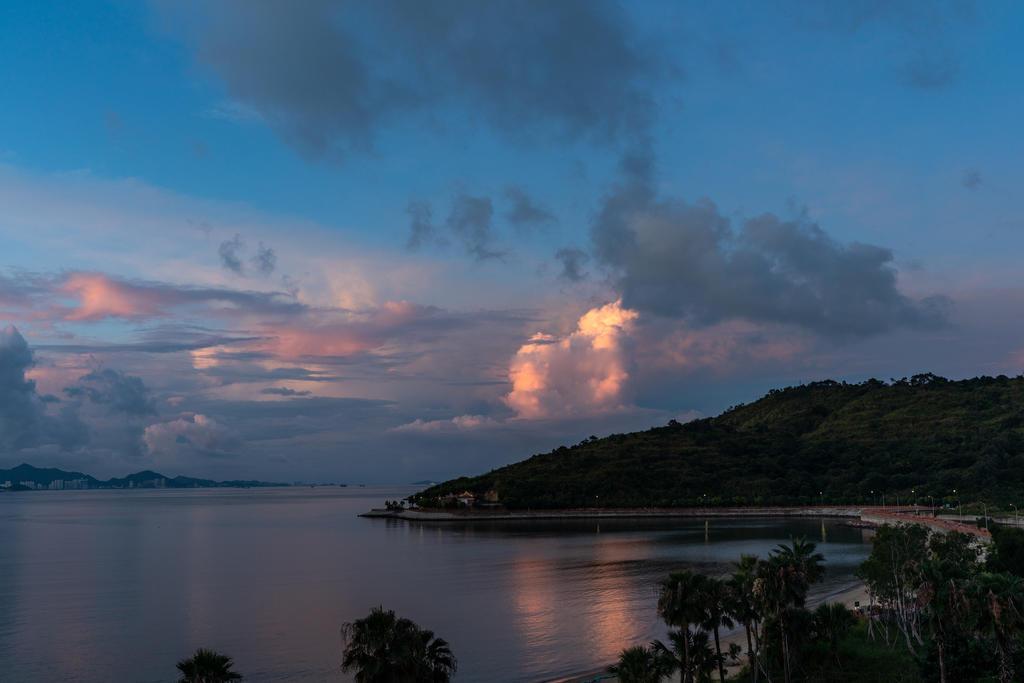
x,y
315,70
573,261
687,260
265,260
523,211
971,179
121,393
470,222
24,419
421,224
284,391
921,36
930,71
229,254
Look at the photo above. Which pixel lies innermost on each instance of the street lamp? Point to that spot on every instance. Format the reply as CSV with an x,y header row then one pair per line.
x,y
821,495
959,506
1015,511
984,511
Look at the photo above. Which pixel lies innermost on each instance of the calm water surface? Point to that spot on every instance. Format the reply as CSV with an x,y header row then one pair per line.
x,y
119,585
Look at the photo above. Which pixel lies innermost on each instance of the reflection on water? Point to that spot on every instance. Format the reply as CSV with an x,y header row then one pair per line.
x,y
118,585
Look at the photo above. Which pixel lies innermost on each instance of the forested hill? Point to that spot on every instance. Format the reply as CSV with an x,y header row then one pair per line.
x,y
917,437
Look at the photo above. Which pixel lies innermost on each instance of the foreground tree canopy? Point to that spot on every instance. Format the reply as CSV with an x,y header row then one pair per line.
x,y
938,612
207,666
385,648
828,441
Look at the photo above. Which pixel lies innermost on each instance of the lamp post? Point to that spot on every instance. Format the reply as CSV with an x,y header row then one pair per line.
x,y
1014,513
821,497
931,504
984,511
959,506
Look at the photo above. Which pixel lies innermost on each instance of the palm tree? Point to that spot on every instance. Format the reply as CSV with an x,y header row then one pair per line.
x,y
716,603
681,603
782,583
383,648
703,659
832,621
207,666
742,605
690,653
641,664
805,565
436,663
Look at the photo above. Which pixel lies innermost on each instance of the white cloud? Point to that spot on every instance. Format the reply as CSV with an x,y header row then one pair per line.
x,y
584,373
460,423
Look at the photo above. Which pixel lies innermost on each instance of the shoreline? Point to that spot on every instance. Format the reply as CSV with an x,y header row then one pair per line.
x,y
614,513
867,516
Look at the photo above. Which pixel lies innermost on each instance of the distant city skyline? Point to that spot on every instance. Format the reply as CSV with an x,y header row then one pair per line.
x,y
396,241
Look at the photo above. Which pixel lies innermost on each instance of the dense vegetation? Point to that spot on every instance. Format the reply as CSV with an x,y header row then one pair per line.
x,y
938,613
827,441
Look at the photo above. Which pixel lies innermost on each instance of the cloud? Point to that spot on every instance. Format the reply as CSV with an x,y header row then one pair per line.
x,y
524,212
101,296
315,72
928,72
120,392
284,391
421,226
922,35
460,423
687,260
581,374
573,261
193,433
24,420
265,260
971,179
470,223
228,252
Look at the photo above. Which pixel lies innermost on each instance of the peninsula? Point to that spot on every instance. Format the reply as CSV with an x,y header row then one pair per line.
x,y
924,441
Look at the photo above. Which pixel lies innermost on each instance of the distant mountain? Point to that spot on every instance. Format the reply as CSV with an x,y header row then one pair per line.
x,y
922,439
26,476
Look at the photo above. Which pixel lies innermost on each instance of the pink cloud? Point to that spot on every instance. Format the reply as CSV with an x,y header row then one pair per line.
x,y
723,347
460,423
102,297
342,333
584,373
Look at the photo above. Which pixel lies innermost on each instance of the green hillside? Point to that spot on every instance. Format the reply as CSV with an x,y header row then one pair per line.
x,y
917,437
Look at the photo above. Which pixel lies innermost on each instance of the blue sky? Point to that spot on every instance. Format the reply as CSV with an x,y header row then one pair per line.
x,y
149,152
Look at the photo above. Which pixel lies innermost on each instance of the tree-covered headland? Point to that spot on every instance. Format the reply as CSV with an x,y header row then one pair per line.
x,y
923,439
